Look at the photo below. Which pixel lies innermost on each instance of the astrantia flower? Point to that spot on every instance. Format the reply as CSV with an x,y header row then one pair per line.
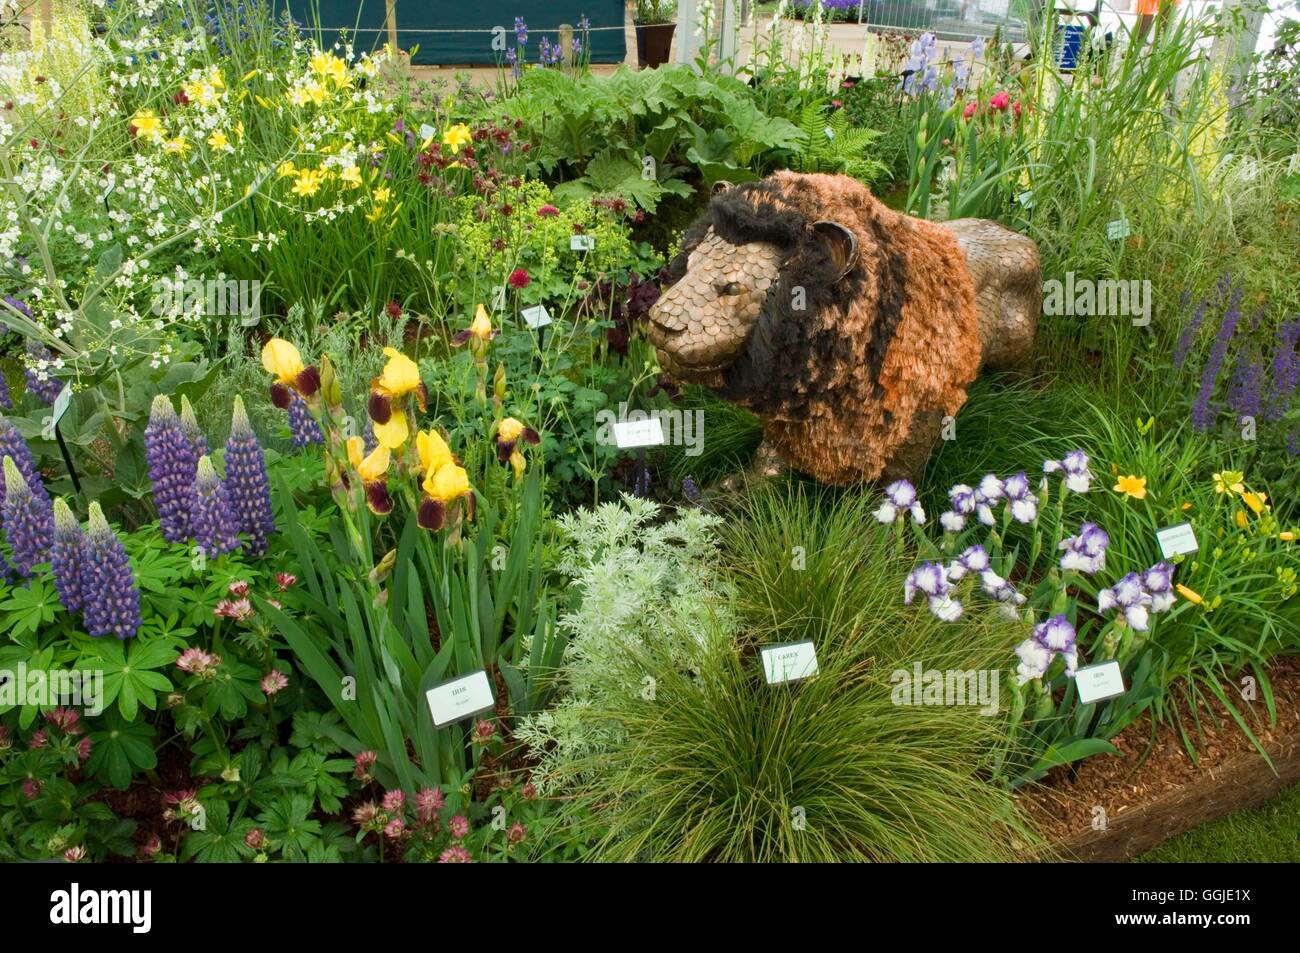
x,y
282,360
516,834
111,604
454,855
508,432
548,211
246,483
428,802
212,519
900,498
1023,503
239,609
1078,477
363,763
274,682
458,826
1085,553
1129,599
28,519
67,553
195,661
172,465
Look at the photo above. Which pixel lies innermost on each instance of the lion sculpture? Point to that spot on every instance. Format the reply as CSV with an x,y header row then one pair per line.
x,y
851,330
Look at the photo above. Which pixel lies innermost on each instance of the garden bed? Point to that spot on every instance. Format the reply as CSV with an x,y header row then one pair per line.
x,y
1149,802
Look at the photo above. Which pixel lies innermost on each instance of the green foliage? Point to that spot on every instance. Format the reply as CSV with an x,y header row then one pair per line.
x,y
835,146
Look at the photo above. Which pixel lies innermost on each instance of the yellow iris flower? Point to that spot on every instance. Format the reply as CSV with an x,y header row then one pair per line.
x,y
373,467
434,452
448,483
394,433
401,374
282,360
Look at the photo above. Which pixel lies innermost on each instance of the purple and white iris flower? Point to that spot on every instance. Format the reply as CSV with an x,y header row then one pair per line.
x,y
1085,553
900,498
930,580
1158,581
1024,505
1129,598
974,559
1078,478
1054,637
963,505
987,493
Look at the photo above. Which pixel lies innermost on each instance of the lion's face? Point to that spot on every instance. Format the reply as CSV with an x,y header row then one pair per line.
x,y
700,325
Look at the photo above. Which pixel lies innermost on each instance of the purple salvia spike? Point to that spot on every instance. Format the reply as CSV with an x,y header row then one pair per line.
x,y
67,557
246,483
112,601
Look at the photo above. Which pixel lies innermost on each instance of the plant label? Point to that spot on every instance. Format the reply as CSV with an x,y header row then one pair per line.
x,y
1118,229
427,131
536,317
1026,199
582,242
460,698
61,404
1097,683
631,434
1176,540
789,661
830,133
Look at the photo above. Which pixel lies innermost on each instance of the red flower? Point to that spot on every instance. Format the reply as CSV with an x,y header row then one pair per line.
x,y
519,279
394,310
836,103
1000,101
548,211
969,110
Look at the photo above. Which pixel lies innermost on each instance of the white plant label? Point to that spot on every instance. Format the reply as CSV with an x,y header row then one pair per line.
x,y
61,404
1026,199
1118,229
788,662
631,434
536,317
1097,683
582,242
830,133
460,698
427,131
1176,540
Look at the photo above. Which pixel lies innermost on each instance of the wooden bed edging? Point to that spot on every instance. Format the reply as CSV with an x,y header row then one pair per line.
x,y
1243,781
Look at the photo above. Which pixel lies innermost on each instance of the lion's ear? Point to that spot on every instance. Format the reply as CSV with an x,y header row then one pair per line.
x,y
841,244
720,186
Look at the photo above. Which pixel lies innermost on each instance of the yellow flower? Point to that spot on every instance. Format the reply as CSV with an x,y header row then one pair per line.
x,y
239,129
509,430
1189,594
214,78
456,137
394,433
308,182
448,483
286,169
1185,507
434,452
481,326
281,359
375,214
329,66
146,125
371,468
351,175
316,93
218,140
517,463
382,194
1229,481
1133,486
1286,536
1241,519
1256,501
401,374
177,146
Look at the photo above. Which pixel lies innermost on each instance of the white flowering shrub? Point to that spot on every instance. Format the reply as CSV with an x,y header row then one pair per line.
x,y
643,587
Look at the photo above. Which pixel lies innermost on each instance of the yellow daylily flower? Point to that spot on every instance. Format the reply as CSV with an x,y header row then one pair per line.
x,y
457,137
401,374
147,126
394,433
177,146
1134,486
286,169
1286,536
351,175
308,182
434,452
382,194
1256,501
1189,594
448,483
1229,481
1241,519
281,359
218,140
239,129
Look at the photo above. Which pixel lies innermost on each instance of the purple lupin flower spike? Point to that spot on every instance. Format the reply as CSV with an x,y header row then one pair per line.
x,y
303,428
112,601
212,521
190,424
28,520
6,400
40,382
172,463
13,445
67,557
246,483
